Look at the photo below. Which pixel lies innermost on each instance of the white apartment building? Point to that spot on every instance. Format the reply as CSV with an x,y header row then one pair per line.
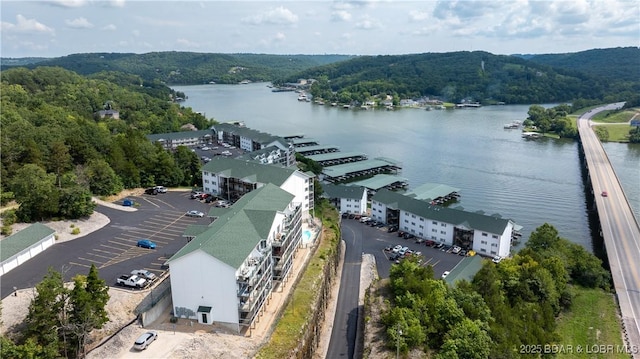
x,y
226,273
347,199
487,235
231,178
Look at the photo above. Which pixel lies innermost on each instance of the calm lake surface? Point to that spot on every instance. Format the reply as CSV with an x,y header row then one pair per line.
x,y
529,181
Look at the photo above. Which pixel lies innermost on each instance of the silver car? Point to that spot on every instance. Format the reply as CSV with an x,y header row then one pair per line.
x,y
145,339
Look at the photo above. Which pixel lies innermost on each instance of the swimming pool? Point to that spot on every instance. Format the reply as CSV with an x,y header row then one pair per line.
x,y
306,235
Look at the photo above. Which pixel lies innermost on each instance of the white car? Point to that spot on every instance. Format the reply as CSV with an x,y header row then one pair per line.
x,y
445,274
496,259
456,250
194,214
160,189
145,339
144,274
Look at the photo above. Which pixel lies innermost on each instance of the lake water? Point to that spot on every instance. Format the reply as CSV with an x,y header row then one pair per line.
x,y
529,181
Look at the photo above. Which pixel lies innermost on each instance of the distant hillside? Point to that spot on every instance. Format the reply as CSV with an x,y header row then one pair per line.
x,y
454,76
189,67
621,63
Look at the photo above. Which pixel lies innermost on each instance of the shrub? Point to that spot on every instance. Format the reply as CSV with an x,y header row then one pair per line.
x,y
75,231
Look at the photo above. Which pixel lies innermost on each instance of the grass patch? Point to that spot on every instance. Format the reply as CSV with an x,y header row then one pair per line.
x,y
618,132
615,116
296,315
593,320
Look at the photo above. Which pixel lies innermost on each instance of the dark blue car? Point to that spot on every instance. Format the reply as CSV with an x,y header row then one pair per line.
x,y
145,243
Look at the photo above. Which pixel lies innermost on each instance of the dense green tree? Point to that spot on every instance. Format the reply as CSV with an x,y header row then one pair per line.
x,y
602,132
87,301
36,192
634,135
102,179
45,316
466,340
75,202
189,164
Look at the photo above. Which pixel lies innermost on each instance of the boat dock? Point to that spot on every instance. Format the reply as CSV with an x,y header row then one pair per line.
x,y
377,182
316,150
354,170
337,158
434,193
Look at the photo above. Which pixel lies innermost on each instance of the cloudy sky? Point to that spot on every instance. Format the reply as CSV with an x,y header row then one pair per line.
x,y
63,27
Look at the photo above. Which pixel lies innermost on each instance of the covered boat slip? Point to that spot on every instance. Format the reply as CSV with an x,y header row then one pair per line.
x,y
390,182
337,158
354,170
316,150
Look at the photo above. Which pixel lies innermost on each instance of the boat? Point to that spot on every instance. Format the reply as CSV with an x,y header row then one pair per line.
x,y
302,97
513,125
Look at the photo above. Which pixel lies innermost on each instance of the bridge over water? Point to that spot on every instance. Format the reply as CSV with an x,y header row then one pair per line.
x,y
619,228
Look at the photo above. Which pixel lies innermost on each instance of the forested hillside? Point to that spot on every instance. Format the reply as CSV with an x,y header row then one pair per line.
x,y
189,68
57,152
477,76
620,64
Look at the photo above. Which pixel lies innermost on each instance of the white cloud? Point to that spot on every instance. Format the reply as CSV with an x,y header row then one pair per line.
x,y
67,3
415,15
340,15
279,37
368,23
277,16
27,26
110,27
117,3
188,44
79,23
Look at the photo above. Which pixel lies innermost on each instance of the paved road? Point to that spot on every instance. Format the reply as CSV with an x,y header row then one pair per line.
x,y
359,239
619,227
113,248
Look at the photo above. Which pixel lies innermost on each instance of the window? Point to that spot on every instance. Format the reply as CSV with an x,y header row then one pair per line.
x,y
434,230
406,221
421,219
443,232
494,252
434,222
443,224
495,236
420,226
494,244
483,242
413,216
413,223
483,250
484,234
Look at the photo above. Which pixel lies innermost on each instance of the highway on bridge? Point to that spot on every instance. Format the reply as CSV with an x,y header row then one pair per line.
x,y
619,227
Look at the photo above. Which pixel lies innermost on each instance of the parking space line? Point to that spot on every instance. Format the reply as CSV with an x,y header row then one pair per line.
x,y
116,248
80,265
89,260
102,251
151,203
98,255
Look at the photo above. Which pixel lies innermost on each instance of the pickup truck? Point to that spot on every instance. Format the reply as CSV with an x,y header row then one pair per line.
x,y
131,281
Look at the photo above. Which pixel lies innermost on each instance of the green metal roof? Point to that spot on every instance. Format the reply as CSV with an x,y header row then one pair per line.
x,y
344,169
23,239
316,148
233,236
342,191
379,181
431,191
249,171
335,156
490,224
466,269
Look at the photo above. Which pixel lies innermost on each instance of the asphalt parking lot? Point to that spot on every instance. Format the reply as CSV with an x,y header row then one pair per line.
x,y
374,240
113,248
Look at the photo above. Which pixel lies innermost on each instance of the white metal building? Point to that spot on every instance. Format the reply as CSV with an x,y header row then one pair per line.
x,y
347,199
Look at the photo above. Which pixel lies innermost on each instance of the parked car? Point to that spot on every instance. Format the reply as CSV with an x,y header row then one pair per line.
x,y
497,259
146,243
152,191
145,339
400,233
194,213
471,253
429,243
195,194
161,189
456,250
445,274
392,229
408,236
132,281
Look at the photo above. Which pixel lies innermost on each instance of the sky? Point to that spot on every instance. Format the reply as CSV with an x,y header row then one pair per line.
x,y
32,28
